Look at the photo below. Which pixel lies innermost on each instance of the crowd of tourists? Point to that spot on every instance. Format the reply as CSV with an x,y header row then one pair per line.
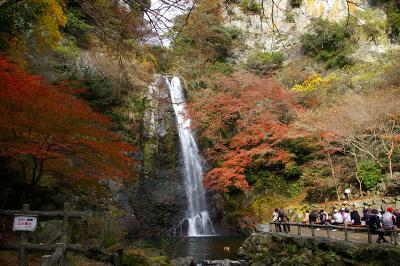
x,y
378,221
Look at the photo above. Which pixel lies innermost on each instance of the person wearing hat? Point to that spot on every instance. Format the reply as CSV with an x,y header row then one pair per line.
x,y
389,220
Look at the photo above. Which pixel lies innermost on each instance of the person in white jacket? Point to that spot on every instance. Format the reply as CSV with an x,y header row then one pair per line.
x,y
389,221
336,217
275,219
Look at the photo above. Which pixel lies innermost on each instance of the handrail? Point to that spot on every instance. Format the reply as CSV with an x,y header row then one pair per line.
x,y
330,226
345,227
60,249
53,214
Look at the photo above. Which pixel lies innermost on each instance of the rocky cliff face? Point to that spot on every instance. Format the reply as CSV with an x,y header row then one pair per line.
x,y
279,24
159,199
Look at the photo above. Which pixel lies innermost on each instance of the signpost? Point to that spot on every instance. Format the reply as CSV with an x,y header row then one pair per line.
x,y
24,223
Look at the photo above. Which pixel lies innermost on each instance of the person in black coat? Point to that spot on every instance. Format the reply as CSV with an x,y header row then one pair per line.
x,y
374,225
355,217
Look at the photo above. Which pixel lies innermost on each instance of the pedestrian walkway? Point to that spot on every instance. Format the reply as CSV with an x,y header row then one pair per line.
x,y
360,234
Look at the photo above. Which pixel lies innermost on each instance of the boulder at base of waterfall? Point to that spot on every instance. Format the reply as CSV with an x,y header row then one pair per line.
x,y
184,261
224,262
263,228
358,204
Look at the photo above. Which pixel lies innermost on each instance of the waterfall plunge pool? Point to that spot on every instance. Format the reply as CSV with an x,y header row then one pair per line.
x,y
200,248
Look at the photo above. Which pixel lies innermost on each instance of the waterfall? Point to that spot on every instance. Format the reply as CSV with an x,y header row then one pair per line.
x,y
197,215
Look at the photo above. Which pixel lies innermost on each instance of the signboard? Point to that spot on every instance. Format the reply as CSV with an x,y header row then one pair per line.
x,y
24,223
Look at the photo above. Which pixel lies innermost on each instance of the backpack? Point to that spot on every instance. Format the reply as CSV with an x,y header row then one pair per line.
x,y
374,223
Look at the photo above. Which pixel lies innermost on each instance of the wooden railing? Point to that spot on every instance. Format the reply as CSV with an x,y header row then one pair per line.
x,y
59,248
345,228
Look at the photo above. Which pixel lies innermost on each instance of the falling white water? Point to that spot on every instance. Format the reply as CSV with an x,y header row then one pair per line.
x,y
197,215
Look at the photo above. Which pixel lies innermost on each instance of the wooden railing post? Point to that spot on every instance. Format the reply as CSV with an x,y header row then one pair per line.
x,y
394,231
346,233
312,230
67,208
23,242
298,229
369,235
46,260
64,238
328,232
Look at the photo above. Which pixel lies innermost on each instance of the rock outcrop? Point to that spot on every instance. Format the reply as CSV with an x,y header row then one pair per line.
x,y
283,249
279,24
159,198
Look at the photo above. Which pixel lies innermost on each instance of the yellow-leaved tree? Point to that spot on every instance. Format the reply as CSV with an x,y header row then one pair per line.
x,y
30,24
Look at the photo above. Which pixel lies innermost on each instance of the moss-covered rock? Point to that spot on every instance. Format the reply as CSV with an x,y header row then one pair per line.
x,y
141,257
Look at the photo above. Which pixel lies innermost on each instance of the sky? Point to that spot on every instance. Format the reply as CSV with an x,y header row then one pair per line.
x,y
166,10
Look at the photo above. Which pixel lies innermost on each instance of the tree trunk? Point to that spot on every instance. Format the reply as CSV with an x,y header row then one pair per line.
x,y
357,177
333,173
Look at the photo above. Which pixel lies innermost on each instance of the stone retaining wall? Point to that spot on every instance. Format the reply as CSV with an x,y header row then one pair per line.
x,y
282,249
380,203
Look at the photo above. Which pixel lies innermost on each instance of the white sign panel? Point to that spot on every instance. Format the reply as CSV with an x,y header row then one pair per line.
x,y
24,223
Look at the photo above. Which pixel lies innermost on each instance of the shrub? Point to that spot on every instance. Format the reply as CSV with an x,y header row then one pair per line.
x,y
374,24
292,171
295,189
329,42
100,93
264,63
134,258
392,9
369,173
313,83
103,228
297,71
393,17
289,16
77,27
296,3
224,68
320,194
391,70
232,32
250,6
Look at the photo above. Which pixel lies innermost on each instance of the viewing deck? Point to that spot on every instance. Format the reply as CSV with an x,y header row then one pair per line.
x,y
337,232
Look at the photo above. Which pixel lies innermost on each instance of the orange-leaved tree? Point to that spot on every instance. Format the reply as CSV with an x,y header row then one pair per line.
x,y
243,119
46,130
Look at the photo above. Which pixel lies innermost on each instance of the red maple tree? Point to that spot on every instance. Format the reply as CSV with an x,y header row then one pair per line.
x,y
46,129
243,118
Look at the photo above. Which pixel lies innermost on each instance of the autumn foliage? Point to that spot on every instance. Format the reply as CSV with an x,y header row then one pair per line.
x,y
243,120
46,130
